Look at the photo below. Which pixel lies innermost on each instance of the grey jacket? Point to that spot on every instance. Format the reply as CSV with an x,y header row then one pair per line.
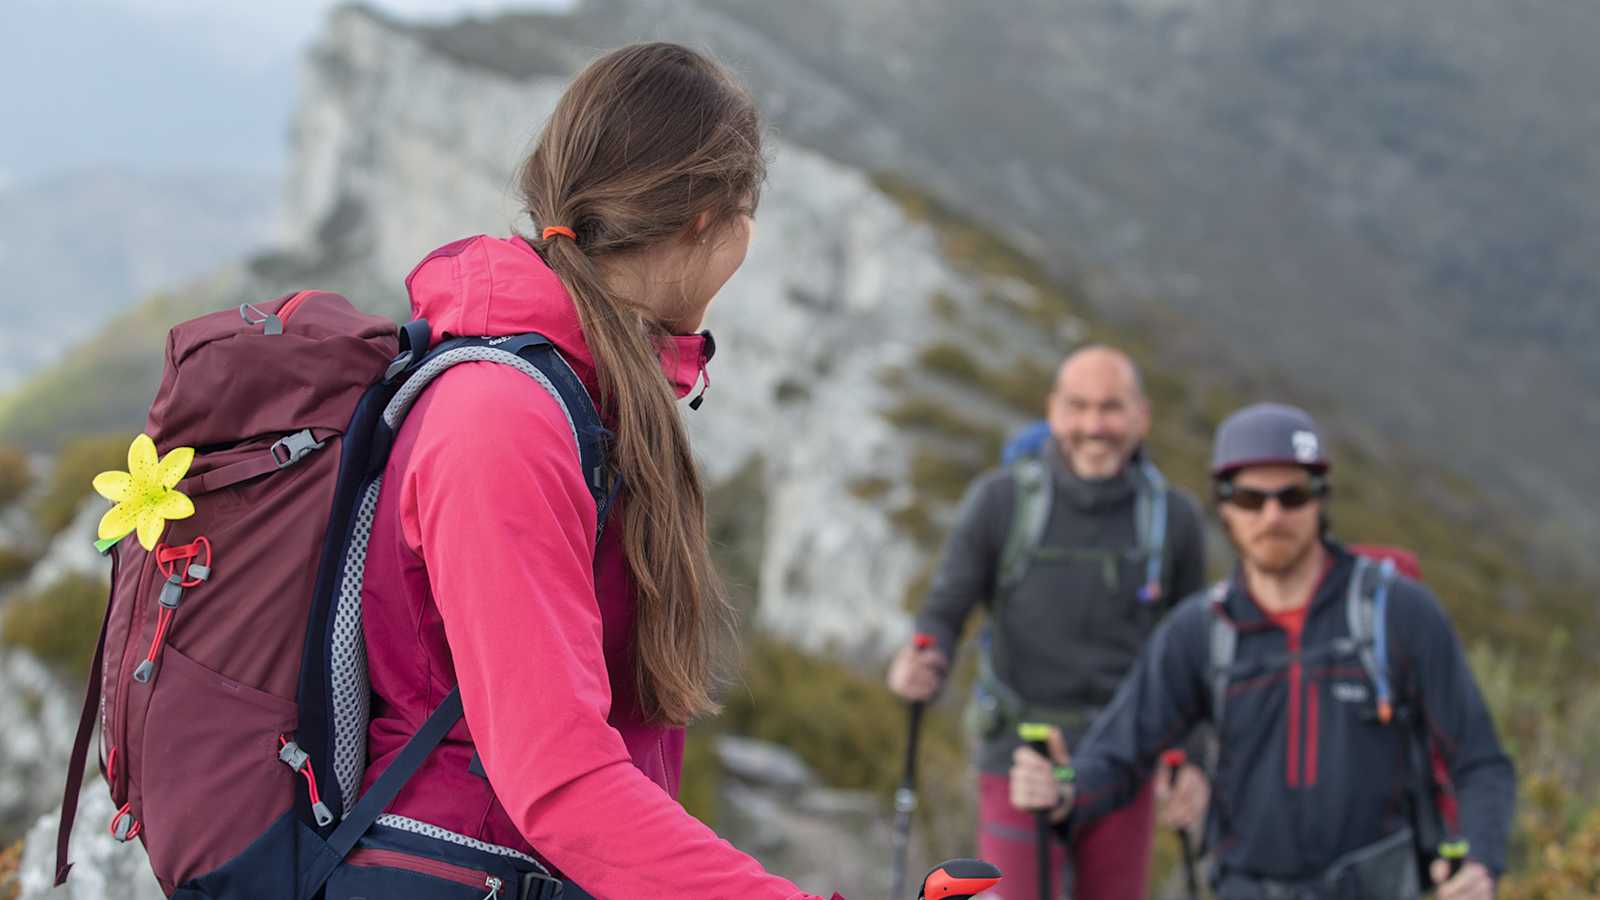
x,y
1072,629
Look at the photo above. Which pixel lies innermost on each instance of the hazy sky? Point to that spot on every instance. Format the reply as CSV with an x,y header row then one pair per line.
x,y
162,83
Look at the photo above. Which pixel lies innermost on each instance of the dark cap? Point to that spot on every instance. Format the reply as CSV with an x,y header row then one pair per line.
x,y
1268,434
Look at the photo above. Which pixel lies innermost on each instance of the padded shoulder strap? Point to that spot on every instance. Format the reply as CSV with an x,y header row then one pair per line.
x,y
1030,516
1224,645
1366,612
1150,521
533,355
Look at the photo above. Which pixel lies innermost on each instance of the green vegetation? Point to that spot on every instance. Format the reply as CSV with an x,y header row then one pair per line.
x,y
78,462
14,475
13,564
104,384
843,724
58,624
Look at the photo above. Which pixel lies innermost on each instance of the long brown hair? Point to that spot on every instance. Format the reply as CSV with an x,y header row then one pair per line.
x,y
647,143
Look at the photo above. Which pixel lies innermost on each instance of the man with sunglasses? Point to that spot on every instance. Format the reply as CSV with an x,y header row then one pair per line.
x,y
1076,549
1325,773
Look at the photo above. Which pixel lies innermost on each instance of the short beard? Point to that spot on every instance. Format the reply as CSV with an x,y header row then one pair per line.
x,y
1276,569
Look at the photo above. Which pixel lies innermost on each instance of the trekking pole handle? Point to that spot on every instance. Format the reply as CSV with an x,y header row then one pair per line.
x,y
1454,853
959,879
921,641
1037,737
1175,759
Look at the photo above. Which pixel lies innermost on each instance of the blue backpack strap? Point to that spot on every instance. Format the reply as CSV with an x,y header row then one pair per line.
x,y
333,691
1150,520
1366,613
383,791
552,371
594,441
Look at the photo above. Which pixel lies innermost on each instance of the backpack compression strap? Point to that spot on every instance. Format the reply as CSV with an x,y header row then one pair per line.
x,y
80,754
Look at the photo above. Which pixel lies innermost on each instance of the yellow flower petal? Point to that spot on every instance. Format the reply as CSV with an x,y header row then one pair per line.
x,y
118,521
174,466
142,458
113,485
150,527
173,505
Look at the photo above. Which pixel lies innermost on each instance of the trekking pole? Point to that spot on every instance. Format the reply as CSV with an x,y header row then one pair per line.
x,y
1037,737
905,796
1175,760
1454,853
958,879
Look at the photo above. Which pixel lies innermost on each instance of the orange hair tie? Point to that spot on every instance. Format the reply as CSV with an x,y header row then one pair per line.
x,y
559,229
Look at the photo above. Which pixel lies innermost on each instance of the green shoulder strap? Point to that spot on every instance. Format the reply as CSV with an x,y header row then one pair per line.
x,y
1030,515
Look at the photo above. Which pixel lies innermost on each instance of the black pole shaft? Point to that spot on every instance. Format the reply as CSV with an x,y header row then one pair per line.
x,y
1190,880
915,729
1042,837
905,803
1189,877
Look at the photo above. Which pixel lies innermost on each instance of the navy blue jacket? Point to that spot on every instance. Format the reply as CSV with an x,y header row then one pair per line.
x,y
1306,773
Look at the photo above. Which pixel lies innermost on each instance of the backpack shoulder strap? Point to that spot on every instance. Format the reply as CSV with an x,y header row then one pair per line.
x,y
1150,522
1224,645
339,734
1366,613
1030,515
535,356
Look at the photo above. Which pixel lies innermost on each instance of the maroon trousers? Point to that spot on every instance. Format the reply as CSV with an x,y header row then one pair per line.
x,y
1110,861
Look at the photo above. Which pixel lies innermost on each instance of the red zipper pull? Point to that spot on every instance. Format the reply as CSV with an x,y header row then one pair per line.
x,y
300,761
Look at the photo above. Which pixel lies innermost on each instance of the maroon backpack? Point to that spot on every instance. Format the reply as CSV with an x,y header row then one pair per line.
x,y
229,683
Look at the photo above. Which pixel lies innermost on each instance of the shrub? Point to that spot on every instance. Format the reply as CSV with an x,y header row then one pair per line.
x,y
70,478
58,624
14,475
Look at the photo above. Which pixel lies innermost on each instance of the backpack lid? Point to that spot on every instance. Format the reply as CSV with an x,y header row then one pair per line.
x,y
227,379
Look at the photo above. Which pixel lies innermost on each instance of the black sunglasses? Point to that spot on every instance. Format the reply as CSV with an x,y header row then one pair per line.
x,y
1292,497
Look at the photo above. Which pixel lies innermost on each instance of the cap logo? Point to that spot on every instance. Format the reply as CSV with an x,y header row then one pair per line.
x,y
1306,447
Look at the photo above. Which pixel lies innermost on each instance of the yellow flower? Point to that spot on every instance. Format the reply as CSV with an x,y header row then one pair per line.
x,y
144,495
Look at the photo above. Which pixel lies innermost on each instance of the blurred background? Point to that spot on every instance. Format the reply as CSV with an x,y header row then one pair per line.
x,y
1387,211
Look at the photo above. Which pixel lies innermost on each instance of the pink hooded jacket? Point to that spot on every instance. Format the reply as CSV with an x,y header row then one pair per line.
x,y
483,570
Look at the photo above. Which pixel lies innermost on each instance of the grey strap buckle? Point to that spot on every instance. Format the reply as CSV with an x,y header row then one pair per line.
x,y
398,365
291,448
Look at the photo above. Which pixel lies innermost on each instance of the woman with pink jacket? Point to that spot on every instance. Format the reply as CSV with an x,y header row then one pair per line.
x,y
579,659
